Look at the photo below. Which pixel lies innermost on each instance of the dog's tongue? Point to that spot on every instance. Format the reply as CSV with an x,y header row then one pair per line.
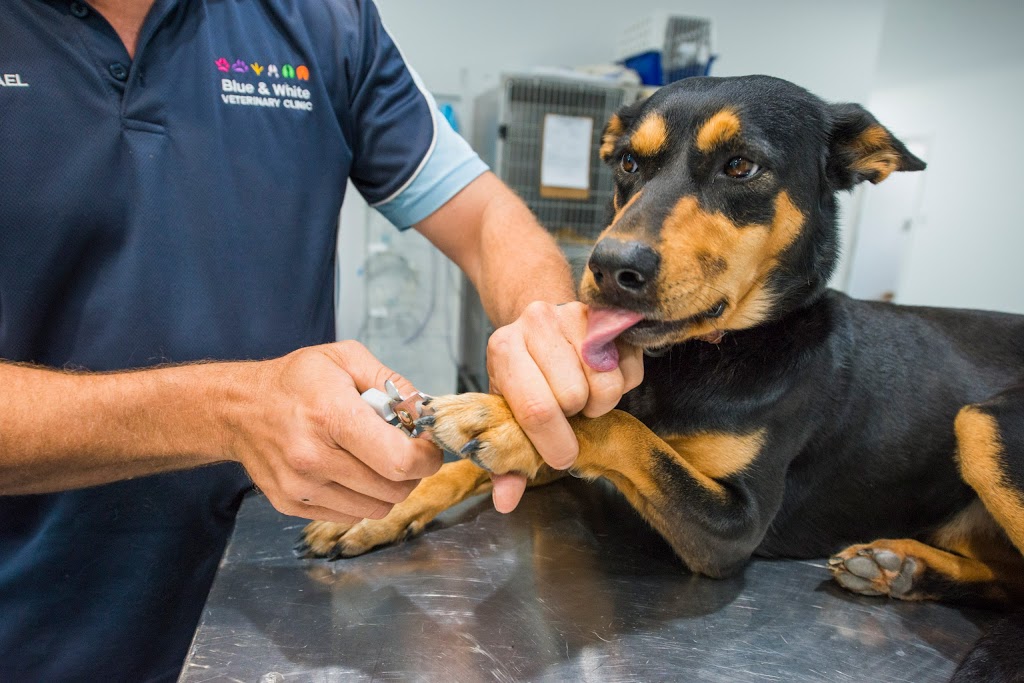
x,y
603,326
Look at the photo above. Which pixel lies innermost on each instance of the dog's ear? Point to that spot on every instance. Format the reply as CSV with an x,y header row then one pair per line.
x,y
617,125
860,148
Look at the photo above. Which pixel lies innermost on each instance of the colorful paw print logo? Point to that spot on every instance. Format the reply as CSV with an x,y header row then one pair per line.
x,y
240,66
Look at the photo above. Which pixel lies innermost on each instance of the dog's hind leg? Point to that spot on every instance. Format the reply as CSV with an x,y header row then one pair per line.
x,y
968,560
990,440
975,558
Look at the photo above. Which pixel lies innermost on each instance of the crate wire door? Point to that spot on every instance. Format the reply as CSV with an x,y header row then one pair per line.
x,y
508,130
526,102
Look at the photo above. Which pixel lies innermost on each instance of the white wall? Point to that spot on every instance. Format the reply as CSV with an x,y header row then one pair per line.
x,y
967,244
953,73
460,46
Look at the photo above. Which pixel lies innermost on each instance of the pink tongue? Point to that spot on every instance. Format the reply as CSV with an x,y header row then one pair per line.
x,y
603,326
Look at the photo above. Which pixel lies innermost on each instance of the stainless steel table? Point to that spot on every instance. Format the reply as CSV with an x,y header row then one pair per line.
x,y
571,587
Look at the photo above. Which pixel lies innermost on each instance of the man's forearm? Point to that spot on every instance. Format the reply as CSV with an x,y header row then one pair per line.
x,y
491,234
519,261
61,430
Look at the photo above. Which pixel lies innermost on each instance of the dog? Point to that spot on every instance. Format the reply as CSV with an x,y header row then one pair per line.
x,y
777,417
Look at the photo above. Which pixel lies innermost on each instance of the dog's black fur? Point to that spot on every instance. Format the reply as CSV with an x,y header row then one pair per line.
x,y
897,428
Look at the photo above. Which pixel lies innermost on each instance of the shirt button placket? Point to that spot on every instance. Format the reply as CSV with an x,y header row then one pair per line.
x,y
119,71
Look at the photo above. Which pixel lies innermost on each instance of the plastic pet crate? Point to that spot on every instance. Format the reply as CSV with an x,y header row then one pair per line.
x,y
663,48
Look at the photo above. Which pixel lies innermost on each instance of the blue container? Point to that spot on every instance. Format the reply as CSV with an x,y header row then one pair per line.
x,y
649,66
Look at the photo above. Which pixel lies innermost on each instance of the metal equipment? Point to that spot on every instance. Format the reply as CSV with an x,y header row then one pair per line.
x,y
404,412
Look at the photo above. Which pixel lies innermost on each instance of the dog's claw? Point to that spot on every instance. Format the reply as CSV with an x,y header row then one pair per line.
x,y
425,421
470,448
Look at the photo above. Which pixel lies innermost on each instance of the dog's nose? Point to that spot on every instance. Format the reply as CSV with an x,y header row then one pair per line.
x,y
623,267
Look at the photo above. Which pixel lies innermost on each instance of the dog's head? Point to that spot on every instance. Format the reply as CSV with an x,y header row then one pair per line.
x,y
724,207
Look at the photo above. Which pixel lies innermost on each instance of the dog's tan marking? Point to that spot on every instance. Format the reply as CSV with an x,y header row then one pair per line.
x,y
619,446
718,454
875,156
719,129
623,209
612,132
650,136
974,533
981,457
621,449
691,237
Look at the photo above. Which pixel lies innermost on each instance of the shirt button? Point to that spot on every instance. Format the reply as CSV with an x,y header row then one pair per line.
x,y
79,10
119,71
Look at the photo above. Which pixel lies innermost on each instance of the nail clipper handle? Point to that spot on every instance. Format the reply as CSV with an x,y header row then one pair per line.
x,y
381,404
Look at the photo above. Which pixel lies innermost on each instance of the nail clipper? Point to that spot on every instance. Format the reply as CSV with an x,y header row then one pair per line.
x,y
406,412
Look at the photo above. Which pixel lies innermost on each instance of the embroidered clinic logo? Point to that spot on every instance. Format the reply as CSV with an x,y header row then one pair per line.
x,y
12,81
272,93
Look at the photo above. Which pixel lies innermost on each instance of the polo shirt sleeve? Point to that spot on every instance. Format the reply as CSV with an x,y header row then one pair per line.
x,y
407,161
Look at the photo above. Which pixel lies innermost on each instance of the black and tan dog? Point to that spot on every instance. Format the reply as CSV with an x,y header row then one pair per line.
x,y
777,418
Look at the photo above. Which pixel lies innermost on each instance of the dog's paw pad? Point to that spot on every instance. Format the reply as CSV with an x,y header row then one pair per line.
x,y
871,570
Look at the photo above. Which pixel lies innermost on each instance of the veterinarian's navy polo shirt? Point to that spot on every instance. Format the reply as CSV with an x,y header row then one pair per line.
x,y
179,206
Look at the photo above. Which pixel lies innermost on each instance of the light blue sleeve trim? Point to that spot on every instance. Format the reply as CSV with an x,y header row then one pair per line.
x,y
451,165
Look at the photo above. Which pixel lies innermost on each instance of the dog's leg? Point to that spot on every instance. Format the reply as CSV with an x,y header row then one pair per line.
x,y
990,440
453,483
977,558
705,515
912,570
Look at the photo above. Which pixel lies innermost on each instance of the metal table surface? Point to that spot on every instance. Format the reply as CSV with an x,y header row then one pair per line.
x,y
572,586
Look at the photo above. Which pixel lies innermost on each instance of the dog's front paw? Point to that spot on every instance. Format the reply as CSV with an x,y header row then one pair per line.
x,y
878,568
481,427
455,482
335,541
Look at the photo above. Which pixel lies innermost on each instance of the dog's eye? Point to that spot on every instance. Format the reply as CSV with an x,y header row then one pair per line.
x,y
738,167
629,164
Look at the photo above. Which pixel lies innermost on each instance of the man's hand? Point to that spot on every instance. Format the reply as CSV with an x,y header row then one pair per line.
x,y
314,447
536,364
